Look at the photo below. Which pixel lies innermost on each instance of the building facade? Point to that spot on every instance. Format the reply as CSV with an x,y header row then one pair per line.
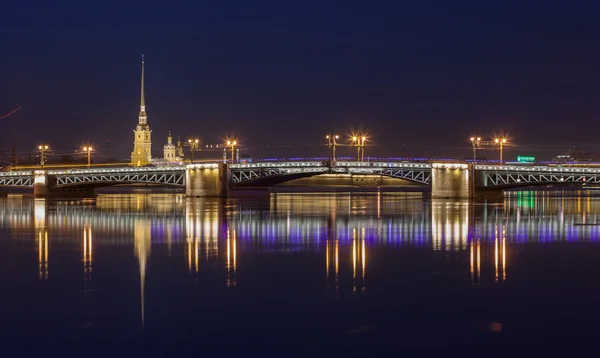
x,y
142,142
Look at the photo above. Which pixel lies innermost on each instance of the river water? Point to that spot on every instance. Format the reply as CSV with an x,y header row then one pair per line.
x,y
336,273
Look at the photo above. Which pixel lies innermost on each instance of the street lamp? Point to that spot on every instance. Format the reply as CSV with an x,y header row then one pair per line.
x,y
331,144
232,144
88,149
476,143
194,144
42,148
500,142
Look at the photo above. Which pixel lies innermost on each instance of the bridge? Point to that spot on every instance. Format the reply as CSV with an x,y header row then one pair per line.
x,y
214,179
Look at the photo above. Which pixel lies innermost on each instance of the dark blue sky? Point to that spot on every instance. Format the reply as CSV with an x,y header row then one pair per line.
x,y
420,76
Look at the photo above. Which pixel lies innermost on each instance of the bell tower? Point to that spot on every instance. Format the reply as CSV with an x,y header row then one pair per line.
x,y
142,140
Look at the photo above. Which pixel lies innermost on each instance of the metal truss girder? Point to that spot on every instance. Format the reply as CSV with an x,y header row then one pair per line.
x,y
416,175
246,174
17,181
152,177
507,178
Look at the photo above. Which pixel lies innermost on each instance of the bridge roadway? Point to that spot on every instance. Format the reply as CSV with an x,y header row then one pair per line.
x,y
253,174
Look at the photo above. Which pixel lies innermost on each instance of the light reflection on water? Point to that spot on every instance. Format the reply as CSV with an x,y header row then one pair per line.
x,y
349,234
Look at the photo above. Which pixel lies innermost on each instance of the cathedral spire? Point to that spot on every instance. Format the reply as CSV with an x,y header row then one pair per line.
x,y
142,116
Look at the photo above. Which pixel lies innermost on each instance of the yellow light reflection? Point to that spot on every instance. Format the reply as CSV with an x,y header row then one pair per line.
x,y
87,257
142,244
504,256
478,261
43,254
337,267
472,263
364,260
189,252
231,258
496,253
196,253
354,259
327,260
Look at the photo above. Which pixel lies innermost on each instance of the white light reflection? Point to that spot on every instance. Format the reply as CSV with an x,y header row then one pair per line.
x,y
449,225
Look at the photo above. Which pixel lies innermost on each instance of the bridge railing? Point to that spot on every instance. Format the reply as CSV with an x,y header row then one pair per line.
x,y
278,165
383,165
116,170
16,174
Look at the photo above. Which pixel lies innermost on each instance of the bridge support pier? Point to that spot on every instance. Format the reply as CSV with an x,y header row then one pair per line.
x,y
201,181
450,181
40,184
42,188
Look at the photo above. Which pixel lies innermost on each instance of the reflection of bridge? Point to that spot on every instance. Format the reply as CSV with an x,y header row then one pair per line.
x,y
349,231
293,221
443,179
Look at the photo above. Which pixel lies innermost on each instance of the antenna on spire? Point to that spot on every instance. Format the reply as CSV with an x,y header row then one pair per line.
x,y
142,115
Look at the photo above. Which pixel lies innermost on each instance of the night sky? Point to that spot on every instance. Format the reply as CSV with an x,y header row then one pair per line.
x,y
419,76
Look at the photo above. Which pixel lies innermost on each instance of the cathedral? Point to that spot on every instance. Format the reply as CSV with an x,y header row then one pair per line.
x,y
142,143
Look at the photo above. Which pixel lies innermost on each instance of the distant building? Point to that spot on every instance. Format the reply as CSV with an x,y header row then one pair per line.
x,y
575,154
170,151
142,143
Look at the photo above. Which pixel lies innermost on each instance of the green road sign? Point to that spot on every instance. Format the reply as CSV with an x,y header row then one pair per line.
x,y
525,159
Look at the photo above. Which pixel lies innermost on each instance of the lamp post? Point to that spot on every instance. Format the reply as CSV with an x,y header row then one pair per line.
x,y
360,147
232,144
331,144
500,142
42,148
476,143
193,143
363,140
88,149
356,142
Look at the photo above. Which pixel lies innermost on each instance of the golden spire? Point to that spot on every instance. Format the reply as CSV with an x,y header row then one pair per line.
x,y
142,116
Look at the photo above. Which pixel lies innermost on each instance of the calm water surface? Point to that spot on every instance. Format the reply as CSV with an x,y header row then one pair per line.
x,y
336,273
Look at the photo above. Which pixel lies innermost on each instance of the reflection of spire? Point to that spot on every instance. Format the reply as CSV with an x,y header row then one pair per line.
x,y
142,243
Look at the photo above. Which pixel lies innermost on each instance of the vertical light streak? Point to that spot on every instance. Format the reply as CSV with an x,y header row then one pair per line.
x,y
504,256
354,259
